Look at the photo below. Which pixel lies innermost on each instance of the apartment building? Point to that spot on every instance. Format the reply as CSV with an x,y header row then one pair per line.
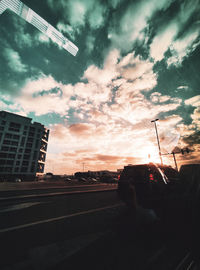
x,y
23,147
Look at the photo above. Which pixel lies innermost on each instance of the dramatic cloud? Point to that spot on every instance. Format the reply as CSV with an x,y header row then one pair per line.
x,y
169,36
14,60
194,101
137,61
81,12
132,23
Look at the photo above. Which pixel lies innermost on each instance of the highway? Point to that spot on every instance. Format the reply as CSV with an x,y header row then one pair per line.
x,y
31,218
68,227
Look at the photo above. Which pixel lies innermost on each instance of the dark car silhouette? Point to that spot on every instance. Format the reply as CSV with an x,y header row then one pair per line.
x,y
149,183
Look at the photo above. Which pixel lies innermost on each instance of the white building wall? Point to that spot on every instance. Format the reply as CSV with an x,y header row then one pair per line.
x,y
23,145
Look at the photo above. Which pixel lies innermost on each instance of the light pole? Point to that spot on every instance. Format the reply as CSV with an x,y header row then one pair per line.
x,y
83,166
154,121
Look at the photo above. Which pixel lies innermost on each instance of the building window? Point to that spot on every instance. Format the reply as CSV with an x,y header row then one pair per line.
x,y
16,137
35,155
13,149
16,169
8,135
32,129
3,155
10,162
30,140
4,148
25,163
24,169
8,169
31,134
19,156
36,143
14,143
11,155
6,142
14,127
3,122
2,162
29,145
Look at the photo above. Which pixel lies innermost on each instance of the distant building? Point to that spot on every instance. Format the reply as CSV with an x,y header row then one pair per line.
x,y
23,147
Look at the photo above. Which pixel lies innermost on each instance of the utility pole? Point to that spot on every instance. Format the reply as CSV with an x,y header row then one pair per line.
x,y
175,160
154,121
83,166
187,150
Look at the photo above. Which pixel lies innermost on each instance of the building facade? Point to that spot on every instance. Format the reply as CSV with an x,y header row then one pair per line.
x,y
23,147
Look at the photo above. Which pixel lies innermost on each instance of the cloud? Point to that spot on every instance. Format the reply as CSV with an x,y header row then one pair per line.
x,y
115,3
90,42
183,47
162,42
111,94
157,97
81,129
132,68
67,29
80,12
44,95
107,158
194,101
196,118
182,87
181,42
103,76
132,23
14,60
111,149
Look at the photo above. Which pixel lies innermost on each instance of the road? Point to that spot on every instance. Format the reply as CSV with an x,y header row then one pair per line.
x,y
31,218
93,230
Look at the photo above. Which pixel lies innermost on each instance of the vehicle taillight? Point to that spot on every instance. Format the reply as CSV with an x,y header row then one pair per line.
x,y
118,176
151,177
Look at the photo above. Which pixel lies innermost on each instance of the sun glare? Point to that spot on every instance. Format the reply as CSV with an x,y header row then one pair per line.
x,y
150,154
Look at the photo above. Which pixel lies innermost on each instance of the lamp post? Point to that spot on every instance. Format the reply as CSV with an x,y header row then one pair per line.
x,y
154,121
83,166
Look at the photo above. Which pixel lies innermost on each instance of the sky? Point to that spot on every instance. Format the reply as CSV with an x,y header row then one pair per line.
x,y
137,61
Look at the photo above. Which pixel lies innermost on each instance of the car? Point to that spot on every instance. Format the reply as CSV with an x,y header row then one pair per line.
x,y
67,179
82,179
92,180
148,183
18,180
189,178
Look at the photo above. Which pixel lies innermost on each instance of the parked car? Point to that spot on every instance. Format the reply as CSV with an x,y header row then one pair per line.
x,y
67,179
18,180
190,178
82,179
147,182
92,180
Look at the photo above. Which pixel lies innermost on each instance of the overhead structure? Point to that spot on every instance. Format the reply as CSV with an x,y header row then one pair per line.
x,y
33,18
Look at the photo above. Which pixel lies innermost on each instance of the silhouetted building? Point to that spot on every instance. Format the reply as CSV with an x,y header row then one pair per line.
x,y
23,146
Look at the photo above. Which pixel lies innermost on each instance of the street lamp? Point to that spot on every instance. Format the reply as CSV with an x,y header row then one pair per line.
x,y
154,121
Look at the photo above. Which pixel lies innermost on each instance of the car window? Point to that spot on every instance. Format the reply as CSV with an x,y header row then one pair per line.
x,y
136,173
169,172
